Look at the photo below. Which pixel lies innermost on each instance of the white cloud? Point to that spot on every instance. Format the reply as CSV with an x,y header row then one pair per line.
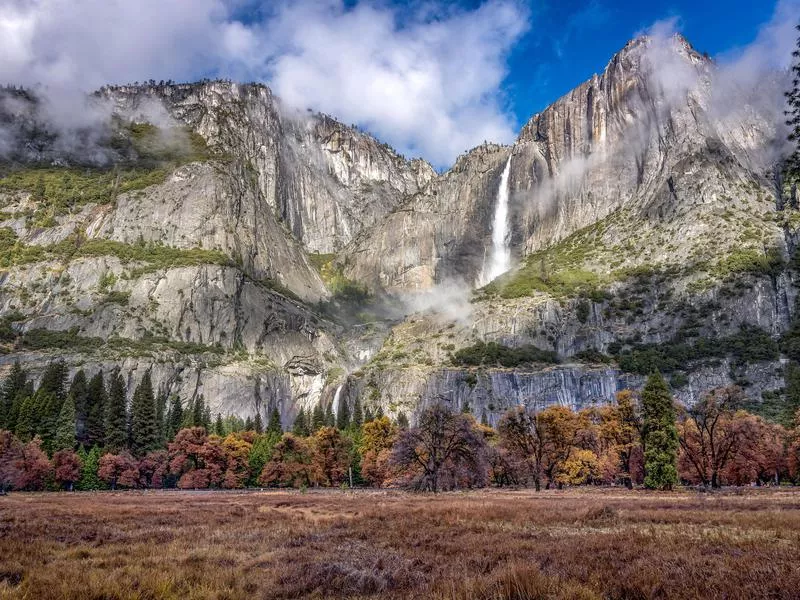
x,y
426,80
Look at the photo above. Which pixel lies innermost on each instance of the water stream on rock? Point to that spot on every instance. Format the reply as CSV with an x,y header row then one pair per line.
x,y
500,259
336,399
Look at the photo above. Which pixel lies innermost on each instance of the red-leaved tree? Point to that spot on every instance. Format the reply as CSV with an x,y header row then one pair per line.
x,y
119,470
67,467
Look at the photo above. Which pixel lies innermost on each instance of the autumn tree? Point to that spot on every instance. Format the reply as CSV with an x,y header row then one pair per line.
x,y
443,441
119,470
561,427
332,455
187,457
144,424
237,466
710,435
116,417
377,438
292,464
154,469
581,466
659,435
761,454
67,468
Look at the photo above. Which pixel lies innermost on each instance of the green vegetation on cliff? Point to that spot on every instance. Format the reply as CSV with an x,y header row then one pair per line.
x,y
493,354
147,256
749,345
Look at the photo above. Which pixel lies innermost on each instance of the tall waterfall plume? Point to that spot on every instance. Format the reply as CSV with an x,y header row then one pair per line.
x,y
500,259
335,407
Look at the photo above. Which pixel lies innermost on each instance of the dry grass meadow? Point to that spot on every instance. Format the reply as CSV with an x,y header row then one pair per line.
x,y
486,545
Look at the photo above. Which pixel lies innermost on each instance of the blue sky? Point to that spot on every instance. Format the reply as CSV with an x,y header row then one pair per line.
x,y
572,39
433,78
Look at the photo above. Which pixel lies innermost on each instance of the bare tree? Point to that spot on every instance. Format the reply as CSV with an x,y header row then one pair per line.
x,y
443,441
522,432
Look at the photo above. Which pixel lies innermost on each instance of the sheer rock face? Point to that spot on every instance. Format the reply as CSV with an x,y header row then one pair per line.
x,y
326,182
437,234
658,133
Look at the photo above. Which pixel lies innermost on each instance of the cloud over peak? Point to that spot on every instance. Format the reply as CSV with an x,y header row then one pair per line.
x,y
427,79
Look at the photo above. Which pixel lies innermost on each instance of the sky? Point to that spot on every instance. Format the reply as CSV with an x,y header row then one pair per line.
x,y
431,78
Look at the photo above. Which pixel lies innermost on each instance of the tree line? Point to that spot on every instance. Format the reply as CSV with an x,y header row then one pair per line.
x,y
84,436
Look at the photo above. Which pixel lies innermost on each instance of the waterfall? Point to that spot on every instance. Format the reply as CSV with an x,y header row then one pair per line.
x,y
336,399
500,259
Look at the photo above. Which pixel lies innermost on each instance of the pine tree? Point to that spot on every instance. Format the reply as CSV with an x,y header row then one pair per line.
x,y
248,424
96,400
330,419
358,414
484,419
275,426
116,421
174,417
660,437
91,463
258,424
22,395
317,418
79,392
54,380
26,420
161,415
198,412
342,415
47,408
402,420
14,383
793,114
64,434
219,428
144,425
300,426
260,454
207,416
368,416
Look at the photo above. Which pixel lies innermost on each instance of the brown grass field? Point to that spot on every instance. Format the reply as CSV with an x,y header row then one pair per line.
x,y
586,543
